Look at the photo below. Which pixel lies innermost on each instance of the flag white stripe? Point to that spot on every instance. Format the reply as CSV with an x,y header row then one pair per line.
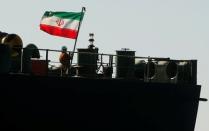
x,y
61,23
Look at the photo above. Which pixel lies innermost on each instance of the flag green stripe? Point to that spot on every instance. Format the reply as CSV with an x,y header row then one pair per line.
x,y
65,15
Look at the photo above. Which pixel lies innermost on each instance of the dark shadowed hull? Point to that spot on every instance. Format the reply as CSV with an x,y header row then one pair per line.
x,y
63,104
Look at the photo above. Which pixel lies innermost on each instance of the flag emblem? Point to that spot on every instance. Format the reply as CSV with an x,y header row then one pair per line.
x,y
60,22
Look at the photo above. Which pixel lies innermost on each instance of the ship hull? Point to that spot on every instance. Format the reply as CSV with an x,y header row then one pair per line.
x,y
66,103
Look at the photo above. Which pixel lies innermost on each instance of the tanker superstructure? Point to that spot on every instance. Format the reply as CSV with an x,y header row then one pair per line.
x,y
100,91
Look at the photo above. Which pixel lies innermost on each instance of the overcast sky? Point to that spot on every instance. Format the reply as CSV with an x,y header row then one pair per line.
x,y
160,28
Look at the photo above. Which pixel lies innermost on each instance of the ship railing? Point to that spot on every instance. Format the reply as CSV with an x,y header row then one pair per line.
x,y
100,65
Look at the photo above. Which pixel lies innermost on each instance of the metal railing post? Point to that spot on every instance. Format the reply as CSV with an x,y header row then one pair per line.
x,y
47,60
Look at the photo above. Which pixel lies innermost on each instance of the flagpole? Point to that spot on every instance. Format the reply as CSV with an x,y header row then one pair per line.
x,y
83,11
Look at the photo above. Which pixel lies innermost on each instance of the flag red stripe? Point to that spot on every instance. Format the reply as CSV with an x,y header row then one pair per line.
x,y
68,33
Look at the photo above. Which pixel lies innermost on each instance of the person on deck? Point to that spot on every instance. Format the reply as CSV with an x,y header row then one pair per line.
x,y
64,60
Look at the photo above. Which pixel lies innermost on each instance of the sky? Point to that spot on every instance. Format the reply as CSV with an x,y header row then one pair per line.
x,y
178,29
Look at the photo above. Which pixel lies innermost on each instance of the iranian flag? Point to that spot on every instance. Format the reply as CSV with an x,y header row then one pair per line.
x,y
64,24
